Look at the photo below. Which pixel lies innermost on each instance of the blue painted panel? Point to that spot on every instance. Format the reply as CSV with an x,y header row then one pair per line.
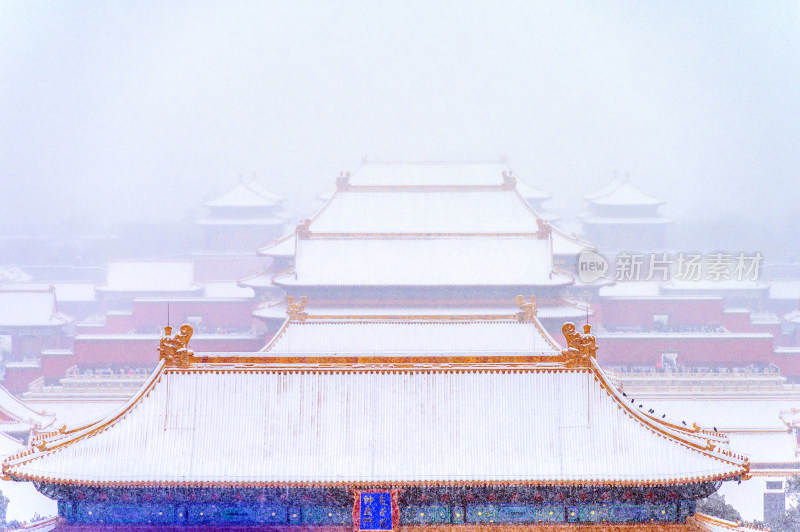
x,y
425,514
327,515
376,511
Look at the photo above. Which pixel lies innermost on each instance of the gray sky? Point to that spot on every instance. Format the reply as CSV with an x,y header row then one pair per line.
x,y
116,110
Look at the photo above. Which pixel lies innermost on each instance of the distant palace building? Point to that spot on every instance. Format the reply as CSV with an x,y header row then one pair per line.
x,y
622,218
410,384
424,235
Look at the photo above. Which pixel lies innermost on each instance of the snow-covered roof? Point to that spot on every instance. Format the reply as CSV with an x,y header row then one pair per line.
x,y
150,276
605,190
723,285
727,414
706,523
12,410
565,244
66,291
227,290
530,193
13,274
785,289
622,194
631,289
256,222
30,308
436,211
546,309
598,220
424,261
435,335
766,447
318,425
250,194
282,247
381,174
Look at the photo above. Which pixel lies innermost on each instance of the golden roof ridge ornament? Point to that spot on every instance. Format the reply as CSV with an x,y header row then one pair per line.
x,y
581,348
343,181
174,350
509,181
296,311
544,228
528,310
304,229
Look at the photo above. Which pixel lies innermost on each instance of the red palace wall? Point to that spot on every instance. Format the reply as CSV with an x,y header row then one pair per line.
x,y
710,350
640,311
142,350
18,379
234,314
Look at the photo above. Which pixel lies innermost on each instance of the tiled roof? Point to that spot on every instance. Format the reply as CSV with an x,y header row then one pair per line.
x,y
274,424
414,336
250,194
622,194
30,308
429,174
150,276
424,261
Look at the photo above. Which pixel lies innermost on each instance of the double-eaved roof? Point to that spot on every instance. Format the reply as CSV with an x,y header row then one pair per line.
x,y
228,420
426,224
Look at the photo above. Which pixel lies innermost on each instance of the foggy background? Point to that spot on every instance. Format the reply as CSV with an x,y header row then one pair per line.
x,y
118,116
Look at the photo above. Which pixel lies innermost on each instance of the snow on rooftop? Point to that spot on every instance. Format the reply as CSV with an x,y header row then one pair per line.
x,y
632,289
13,409
283,247
605,190
429,174
625,194
766,447
251,194
710,286
398,211
785,289
333,426
66,291
530,193
413,337
150,276
30,308
227,290
424,261
264,221
13,274
727,414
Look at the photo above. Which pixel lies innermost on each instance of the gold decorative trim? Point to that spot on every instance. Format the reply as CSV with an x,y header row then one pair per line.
x,y
174,350
528,310
343,181
581,348
296,311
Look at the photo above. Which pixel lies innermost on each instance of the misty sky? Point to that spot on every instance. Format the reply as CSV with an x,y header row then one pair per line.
x,y
114,111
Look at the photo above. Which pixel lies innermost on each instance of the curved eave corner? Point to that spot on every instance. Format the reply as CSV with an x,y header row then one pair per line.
x,y
51,442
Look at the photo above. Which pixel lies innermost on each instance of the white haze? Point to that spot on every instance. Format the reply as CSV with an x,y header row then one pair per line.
x,y
113,111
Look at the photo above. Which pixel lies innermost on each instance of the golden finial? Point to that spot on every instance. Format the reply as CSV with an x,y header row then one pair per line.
x,y
175,349
544,228
304,229
343,181
509,181
527,309
580,347
296,311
